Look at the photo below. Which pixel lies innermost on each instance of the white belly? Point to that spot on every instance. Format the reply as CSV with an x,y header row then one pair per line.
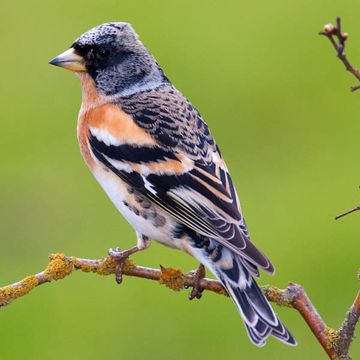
x,y
159,229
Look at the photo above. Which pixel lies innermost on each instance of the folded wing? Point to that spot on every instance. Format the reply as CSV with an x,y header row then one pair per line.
x,y
184,173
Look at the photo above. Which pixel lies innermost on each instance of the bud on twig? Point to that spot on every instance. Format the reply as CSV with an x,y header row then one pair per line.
x,y
329,29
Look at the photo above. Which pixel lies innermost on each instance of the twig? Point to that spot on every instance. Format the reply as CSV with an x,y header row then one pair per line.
x,y
337,39
356,208
336,343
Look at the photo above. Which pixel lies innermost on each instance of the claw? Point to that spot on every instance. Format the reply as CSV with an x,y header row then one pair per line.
x,y
197,291
116,253
120,258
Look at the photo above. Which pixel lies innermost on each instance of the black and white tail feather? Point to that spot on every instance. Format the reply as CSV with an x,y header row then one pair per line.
x,y
235,273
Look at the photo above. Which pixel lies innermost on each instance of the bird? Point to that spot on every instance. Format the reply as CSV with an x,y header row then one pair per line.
x,y
153,154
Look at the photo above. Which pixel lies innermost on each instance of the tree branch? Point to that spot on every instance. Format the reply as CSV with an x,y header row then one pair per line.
x,y
356,208
336,343
337,39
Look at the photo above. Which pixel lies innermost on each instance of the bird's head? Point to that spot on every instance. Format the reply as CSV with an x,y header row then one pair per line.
x,y
115,59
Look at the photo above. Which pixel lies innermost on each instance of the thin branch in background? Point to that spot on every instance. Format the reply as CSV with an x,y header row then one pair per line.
x,y
336,343
356,208
337,39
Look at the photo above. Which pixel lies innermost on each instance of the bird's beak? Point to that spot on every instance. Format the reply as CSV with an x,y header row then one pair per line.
x,y
69,60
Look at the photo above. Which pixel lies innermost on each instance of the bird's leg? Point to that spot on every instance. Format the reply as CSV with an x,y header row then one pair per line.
x,y
198,274
120,256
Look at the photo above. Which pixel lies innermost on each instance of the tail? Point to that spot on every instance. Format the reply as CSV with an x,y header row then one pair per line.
x,y
259,318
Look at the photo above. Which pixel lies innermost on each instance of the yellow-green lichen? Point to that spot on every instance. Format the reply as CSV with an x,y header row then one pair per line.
x,y
12,292
81,265
172,278
106,266
278,296
333,337
58,267
128,265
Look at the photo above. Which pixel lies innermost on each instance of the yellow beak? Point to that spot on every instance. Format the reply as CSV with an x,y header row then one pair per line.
x,y
69,60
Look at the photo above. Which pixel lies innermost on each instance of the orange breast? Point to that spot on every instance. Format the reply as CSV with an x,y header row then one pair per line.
x,y
98,113
115,126
110,119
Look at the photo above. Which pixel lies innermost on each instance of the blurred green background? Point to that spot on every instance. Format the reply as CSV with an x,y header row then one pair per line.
x,y
277,101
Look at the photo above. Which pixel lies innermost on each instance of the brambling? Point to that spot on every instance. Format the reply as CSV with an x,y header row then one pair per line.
x,y
154,156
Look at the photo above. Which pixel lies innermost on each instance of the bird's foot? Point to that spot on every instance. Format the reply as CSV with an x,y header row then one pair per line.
x,y
197,275
120,257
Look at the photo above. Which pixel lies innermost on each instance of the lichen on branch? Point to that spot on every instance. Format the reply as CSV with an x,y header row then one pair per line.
x,y
336,343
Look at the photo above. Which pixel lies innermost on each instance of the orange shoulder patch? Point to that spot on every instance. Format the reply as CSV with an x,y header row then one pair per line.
x,y
112,123
112,120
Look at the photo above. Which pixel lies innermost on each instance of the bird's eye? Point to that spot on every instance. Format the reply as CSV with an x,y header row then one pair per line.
x,y
103,53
